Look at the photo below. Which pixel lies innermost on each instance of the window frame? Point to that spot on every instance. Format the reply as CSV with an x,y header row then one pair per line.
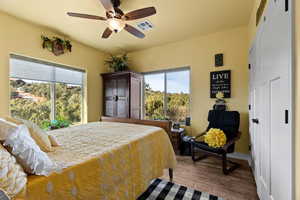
x,y
53,83
165,72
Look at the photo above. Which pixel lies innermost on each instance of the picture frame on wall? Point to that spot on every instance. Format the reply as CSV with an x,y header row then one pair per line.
x,y
220,81
219,60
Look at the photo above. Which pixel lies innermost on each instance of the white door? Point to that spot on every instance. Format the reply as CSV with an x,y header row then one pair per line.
x,y
271,101
264,140
261,139
280,83
253,113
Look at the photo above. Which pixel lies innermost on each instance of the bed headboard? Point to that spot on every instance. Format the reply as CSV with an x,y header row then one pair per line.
x,y
166,125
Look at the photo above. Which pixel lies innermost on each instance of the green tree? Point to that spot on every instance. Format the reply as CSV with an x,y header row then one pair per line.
x,y
178,105
31,100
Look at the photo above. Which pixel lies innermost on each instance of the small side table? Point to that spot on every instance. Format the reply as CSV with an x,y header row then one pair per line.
x,y
176,139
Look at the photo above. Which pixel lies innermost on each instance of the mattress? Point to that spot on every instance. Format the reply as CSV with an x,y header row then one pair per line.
x,y
104,160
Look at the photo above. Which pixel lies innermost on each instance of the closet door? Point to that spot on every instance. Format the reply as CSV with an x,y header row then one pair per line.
x,y
263,140
279,63
253,112
272,100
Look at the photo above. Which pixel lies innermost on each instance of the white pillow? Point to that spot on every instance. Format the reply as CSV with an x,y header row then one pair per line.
x,y
12,177
53,141
6,128
28,153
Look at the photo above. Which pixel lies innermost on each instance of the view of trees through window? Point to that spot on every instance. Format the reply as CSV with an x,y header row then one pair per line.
x,y
68,103
31,100
154,96
45,93
167,95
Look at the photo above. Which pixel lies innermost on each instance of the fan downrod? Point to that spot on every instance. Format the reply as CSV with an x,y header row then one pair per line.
x,y
116,3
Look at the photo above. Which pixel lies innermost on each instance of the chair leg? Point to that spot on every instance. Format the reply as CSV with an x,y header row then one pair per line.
x,y
226,170
171,174
194,156
224,163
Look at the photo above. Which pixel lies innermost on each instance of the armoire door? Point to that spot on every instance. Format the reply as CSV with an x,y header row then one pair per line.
x,y
271,99
135,98
110,103
122,95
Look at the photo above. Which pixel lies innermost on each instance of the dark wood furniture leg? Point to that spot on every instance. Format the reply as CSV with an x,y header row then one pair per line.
x,y
194,156
226,170
225,162
222,154
171,174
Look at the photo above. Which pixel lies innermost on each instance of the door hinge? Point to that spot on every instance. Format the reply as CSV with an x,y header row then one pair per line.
x,y
250,147
286,5
286,116
249,107
249,66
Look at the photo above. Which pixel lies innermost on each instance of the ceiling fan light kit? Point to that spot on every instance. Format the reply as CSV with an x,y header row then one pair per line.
x,y
116,24
116,19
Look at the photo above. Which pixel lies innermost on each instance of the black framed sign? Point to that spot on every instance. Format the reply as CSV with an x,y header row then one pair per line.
x,y
220,81
219,60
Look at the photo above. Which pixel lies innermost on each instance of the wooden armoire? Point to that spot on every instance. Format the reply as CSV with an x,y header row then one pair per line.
x,y
122,94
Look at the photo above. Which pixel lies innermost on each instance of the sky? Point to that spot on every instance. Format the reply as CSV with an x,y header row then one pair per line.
x,y
177,82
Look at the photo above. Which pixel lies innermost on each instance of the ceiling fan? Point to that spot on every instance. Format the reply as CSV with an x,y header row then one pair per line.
x,y
116,19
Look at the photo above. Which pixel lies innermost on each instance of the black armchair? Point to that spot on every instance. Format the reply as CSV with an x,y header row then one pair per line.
x,y
229,122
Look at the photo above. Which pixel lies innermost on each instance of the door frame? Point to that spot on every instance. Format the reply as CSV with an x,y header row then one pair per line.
x,y
292,77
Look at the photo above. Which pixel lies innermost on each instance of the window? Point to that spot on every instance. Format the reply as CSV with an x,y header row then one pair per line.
x,y
42,91
167,95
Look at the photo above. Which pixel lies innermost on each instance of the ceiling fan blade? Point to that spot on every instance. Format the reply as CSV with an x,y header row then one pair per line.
x,y
106,33
86,16
141,13
107,4
134,31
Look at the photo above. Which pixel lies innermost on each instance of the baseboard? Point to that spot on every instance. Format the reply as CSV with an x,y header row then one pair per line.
x,y
240,156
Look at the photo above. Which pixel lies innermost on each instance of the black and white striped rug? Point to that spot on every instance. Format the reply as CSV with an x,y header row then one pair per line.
x,y
164,190
3,195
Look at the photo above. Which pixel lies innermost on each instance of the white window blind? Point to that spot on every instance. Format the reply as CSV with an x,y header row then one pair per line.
x,y
27,68
68,76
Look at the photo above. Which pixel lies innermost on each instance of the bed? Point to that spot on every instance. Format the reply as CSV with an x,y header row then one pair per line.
x,y
105,160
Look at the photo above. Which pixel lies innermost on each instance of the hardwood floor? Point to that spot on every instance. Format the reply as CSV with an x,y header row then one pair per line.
x,y
207,176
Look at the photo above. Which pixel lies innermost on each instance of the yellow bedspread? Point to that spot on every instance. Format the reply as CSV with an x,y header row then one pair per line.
x,y
104,160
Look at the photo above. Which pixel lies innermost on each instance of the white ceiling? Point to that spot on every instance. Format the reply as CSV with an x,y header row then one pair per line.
x,y
175,20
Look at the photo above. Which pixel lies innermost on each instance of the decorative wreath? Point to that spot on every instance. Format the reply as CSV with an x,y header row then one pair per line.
x,y
56,45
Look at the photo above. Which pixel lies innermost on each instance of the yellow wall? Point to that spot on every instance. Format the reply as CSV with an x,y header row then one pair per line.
x,y
20,37
297,99
198,53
